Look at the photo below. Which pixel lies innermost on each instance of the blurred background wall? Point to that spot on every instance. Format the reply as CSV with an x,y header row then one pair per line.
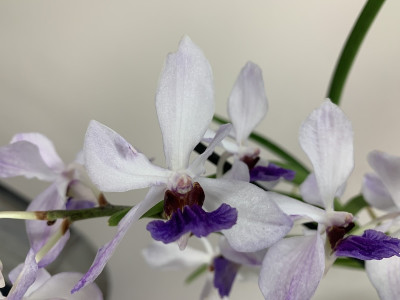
x,y
63,63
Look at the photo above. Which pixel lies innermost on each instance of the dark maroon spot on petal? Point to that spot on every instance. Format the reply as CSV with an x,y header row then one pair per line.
x,y
336,233
174,201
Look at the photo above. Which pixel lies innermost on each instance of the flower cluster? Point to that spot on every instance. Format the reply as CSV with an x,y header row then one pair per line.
x,y
286,240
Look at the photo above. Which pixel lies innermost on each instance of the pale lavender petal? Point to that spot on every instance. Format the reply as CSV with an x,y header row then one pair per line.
x,y
170,257
46,149
371,245
243,258
193,220
270,173
224,274
247,103
24,159
114,165
385,277
25,278
41,277
184,102
80,191
197,166
326,136
294,207
239,171
310,192
376,194
38,231
260,221
104,253
229,145
388,168
292,268
59,287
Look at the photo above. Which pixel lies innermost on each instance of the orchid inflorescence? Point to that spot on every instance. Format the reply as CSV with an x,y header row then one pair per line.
x,y
288,240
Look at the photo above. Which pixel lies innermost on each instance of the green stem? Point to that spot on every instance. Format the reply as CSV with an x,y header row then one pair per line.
x,y
351,48
82,214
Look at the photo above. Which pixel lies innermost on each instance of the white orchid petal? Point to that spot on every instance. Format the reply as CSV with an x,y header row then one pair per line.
x,y
295,207
385,277
243,258
114,165
41,277
239,171
388,168
326,136
376,194
46,149
59,287
247,103
292,268
197,166
24,159
310,192
184,102
260,222
169,256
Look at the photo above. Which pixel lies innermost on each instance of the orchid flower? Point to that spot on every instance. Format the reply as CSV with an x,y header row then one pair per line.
x,y
185,106
45,286
327,138
382,190
247,106
33,155
223,264
293,267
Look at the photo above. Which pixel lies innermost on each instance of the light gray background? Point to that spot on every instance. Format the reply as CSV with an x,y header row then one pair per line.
x,y
63,63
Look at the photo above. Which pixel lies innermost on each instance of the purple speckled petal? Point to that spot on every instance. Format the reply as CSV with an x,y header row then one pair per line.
x,y
195,220
371,245
292,268
224,274
271,173
104,253
25,278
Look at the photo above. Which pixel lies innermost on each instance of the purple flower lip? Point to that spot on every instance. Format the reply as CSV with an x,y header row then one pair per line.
x,y
270,173
195,220
224,274
371,245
